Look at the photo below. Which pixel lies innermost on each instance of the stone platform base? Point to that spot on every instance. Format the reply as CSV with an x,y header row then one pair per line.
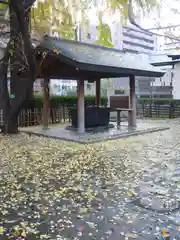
x,y
93,129
61,132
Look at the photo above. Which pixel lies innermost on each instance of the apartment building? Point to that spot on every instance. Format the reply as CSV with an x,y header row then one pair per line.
x,y
136,41
129,38
171,46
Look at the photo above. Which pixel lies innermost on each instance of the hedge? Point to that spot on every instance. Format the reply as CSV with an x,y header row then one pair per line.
x,y
160,101
55,101
37,101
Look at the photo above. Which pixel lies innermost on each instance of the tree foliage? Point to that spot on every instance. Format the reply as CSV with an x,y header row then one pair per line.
x,y
50,18
61,17
104,35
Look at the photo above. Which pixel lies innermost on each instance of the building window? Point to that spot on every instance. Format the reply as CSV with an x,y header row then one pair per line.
x,y
139,38
130,50
136,30
138,45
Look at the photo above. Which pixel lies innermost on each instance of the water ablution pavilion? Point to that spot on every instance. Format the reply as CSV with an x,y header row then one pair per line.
x,y
66,59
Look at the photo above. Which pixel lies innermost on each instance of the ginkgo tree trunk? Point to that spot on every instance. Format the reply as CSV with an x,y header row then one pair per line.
x,y
13,103
17,61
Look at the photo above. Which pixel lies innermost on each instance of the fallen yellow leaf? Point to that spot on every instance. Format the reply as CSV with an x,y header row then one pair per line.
x,y
131,235
2,230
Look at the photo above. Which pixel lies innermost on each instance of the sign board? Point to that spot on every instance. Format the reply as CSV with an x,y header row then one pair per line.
x,y
120,91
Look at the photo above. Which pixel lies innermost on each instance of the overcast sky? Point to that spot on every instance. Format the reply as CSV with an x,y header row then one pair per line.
x,y
165,16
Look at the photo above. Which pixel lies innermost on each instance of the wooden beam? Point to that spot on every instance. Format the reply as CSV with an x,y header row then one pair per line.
x,y
98,92
132,114
80,106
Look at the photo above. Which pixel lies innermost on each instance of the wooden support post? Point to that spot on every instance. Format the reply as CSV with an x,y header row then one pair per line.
x,y
80,106
132,114
118,119
46,104
98,92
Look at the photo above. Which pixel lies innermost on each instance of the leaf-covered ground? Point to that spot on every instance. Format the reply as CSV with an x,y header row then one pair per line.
x,y
51,189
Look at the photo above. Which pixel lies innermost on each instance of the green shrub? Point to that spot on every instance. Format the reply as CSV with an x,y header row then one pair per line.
x,y
37,101
160,101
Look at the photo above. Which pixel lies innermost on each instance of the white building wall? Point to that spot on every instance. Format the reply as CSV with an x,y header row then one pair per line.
x,y
167,78
121,83
61,87
117,36
89,34
176,81
117,84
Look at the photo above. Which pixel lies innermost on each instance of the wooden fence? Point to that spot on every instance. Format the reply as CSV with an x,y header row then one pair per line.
x,y
32,117
158,111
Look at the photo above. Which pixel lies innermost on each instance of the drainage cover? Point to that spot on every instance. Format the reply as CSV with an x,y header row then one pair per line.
x,y
157,203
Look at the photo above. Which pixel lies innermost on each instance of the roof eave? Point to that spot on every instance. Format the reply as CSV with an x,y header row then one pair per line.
x,y
120,71
167,63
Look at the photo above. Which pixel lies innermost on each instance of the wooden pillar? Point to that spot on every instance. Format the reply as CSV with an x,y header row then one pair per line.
x,y
98,92
46,104
132,114
80,106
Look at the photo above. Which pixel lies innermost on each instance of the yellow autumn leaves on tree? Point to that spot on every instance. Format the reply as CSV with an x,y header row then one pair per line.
x,y
49,17
60,17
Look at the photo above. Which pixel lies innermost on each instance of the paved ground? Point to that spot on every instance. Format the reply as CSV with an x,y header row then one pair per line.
x,y
122,189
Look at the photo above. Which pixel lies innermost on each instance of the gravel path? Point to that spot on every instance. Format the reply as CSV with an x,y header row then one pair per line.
x,y
121,189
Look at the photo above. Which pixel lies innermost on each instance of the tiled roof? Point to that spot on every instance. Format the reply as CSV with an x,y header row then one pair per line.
x,y
91,57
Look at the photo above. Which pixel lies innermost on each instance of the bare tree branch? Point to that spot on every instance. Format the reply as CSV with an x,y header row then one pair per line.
x,y
133,22
167,27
